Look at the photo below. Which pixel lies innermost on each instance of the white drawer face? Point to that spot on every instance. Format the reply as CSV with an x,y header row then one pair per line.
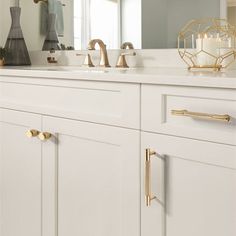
x,y
105,103
159,102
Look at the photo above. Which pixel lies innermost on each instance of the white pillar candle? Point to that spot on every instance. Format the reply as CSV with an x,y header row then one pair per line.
x,y
193,42
209,46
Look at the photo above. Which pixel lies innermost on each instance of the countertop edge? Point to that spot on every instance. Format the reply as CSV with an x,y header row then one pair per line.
x,y
175,76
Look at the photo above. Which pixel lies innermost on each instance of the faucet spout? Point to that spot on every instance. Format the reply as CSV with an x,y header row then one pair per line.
x,y
104,62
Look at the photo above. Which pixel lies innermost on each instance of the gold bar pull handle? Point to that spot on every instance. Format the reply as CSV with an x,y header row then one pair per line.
x,y
203,116
148,190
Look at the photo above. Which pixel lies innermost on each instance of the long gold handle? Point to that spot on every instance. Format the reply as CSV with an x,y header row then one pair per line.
x,y
32,133
148,190
203,116
44,136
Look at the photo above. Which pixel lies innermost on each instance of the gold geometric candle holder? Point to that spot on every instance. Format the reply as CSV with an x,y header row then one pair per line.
x,y
207,43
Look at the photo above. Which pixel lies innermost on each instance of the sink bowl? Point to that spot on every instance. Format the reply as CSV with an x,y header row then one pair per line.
x,y
75,68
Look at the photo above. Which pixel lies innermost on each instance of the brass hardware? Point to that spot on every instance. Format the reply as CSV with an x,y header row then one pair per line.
x,y
214,67
103,51
127,45
44,136
32,133
121,63
203,116
148,191
87,61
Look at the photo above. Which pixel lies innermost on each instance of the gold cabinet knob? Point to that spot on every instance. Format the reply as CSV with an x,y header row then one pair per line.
x,y
32,133
44,136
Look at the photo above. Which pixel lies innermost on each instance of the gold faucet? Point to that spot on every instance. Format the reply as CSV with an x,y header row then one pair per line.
x,y
127,45
103,51
121,63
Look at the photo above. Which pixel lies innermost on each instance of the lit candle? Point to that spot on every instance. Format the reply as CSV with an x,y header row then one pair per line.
x,y
193,42
209,46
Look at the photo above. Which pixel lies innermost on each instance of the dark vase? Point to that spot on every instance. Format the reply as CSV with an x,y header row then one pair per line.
x,y
51,41
17,51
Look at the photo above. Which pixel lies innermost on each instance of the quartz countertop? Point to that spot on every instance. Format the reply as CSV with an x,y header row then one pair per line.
x,y
158,76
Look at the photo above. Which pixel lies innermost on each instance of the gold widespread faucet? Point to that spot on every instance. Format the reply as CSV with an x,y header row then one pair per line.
x,y
127,45
121,63
104,62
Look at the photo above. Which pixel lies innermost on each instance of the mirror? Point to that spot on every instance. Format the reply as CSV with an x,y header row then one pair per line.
x,y
148,24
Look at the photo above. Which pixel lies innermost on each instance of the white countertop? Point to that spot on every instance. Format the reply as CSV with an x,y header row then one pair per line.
x,y
165,76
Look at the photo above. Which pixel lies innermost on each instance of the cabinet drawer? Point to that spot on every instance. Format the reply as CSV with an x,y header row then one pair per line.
x,y
99,102
159,102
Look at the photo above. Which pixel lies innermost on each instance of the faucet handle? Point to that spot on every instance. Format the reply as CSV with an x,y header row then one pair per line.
x,y
121,63
87,61
52,57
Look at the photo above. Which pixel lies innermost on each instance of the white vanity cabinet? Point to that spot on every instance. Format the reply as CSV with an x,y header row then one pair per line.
x,y
195,183
84,177
20,174
97,178
87,171
192,167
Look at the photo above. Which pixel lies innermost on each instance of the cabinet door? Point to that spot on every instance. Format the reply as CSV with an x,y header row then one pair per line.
x,y
20,175
97,178
195,183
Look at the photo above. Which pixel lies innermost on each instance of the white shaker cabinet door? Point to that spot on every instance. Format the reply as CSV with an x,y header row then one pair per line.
x,y
97,178
20,175
195,186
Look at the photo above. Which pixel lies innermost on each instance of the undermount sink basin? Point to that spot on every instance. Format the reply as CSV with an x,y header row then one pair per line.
x,y
75,68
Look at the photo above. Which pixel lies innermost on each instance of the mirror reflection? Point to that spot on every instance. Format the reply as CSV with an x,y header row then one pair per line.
x,y
148,24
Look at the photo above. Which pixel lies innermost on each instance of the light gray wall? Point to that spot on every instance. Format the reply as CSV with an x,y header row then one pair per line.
x,y
1,26
2,38
182,11
30,23
232,15
163,19
154,23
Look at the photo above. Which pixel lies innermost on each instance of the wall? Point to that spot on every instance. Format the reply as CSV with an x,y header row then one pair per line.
x,y
29,20
232,15
181,11
154,23
163,19
30,23
1,24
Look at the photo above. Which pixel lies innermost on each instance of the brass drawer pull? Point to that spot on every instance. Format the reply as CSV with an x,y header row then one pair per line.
x,y
203,116
44,136
148,191
32,133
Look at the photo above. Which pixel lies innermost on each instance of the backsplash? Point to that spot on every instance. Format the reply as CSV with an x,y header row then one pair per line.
x,y
144,58
147,58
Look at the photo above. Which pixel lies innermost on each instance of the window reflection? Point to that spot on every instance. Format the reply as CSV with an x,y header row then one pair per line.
x,y
96,19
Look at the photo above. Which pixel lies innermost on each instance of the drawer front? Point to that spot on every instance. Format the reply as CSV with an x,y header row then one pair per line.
x,y
99,102
187,112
